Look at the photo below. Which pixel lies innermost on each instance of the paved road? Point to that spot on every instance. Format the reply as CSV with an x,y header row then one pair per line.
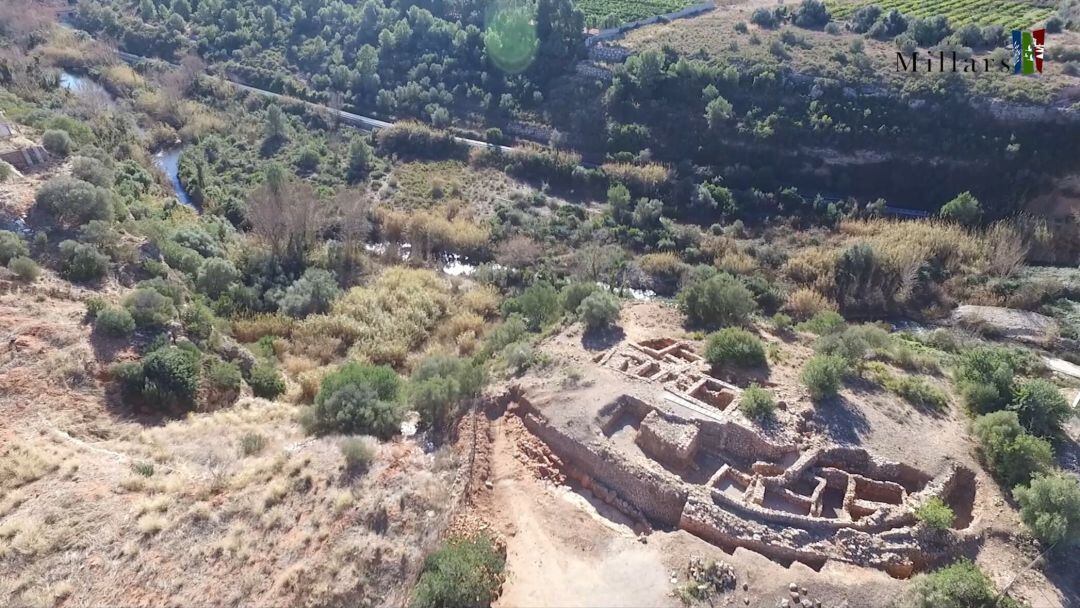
x,y
365,123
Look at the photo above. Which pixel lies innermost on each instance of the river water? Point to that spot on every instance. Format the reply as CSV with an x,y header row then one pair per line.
x,y
167,160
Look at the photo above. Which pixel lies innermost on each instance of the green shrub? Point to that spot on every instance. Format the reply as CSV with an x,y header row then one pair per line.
x,y
439,384
599,310
734,346
91,170
984,377
538,305
171,376
358,452
74,202
80,262
1012,455
465,572
918,391
265,381
822,323
572,295
251,443
57,142
311,294
225,376
198,321
757,403
519,356
715,301
149,308
506,333
1050,506
6,171
95,305
216,276
357,399
853,343
781,322
1041,408
114,321
182,258
960,585
963,209
823,375
11,246
24,268
935,514
143,468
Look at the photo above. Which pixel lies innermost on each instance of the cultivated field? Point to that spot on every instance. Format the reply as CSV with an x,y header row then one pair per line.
x,y
630,10
1006,13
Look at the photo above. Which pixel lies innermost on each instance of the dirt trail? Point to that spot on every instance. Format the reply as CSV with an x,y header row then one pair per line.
x,y
561,551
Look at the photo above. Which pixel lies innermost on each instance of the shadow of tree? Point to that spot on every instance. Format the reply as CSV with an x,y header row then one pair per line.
x,y
842,420
106,347
602,339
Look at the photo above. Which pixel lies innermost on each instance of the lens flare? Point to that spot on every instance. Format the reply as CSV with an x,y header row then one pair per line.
x,y
510,35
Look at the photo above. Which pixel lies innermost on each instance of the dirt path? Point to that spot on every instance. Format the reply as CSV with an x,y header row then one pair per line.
x,y
561,551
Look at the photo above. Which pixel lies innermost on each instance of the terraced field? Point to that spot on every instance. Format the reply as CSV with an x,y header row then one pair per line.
x,y
1007,13
631,10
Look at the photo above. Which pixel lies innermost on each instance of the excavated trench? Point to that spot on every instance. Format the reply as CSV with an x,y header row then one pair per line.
x,y
826,496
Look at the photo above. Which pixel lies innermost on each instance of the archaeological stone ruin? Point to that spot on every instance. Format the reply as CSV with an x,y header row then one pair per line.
x,y
671,450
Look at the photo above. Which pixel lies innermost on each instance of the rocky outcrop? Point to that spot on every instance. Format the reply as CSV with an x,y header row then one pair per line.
x,y
1020,325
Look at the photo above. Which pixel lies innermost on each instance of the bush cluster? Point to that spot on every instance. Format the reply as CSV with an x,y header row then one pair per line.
x,y
1011,454
757,403
114,321
734,346
960,585
357,399
598,310
439,384
823,375
11,246
166,378
463,572
716,300
80,262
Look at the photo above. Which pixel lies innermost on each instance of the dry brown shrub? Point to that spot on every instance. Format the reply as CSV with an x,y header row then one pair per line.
x,y
250,329
804,303
310,381
459,324
387,320
321,347
642,178
1007,248
483,300
914,243
518,251
813,267
664,264
716,245
736,262
432,233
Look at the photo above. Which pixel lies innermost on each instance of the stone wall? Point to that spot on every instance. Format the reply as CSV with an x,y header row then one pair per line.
x,y
24,159
740,441
671,441
657,496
